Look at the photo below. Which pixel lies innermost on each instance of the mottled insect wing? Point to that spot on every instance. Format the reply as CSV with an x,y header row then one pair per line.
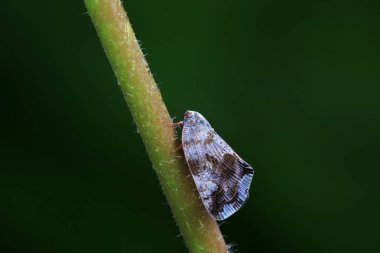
x,y
221,176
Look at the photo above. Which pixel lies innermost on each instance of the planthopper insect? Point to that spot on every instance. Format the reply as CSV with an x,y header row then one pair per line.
x,y
221,176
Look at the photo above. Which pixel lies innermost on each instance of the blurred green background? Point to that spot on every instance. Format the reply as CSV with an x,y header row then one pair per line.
x,y
293,86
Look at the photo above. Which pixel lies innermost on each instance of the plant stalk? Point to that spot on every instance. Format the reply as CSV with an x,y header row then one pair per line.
x,y
199,230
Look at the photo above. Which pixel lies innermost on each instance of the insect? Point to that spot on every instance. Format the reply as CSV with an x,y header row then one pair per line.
x,y
220,175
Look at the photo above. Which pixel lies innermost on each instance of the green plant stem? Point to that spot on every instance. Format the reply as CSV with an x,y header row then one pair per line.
x,y
200,232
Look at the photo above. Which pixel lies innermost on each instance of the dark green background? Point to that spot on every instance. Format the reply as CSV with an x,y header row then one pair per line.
x,y
293,86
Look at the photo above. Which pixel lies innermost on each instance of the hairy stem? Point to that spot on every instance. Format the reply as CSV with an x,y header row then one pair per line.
x,y
200,232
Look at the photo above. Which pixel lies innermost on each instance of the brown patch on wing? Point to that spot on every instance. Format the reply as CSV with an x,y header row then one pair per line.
x,y
218,201
222,197
232,170
209,138
227,168
244,168
229,160
191,142
213,160
193,167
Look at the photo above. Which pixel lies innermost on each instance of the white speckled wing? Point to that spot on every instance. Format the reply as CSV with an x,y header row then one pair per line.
x,y
221,176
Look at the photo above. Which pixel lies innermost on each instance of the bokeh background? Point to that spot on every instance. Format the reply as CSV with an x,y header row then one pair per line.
x,y
293,86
